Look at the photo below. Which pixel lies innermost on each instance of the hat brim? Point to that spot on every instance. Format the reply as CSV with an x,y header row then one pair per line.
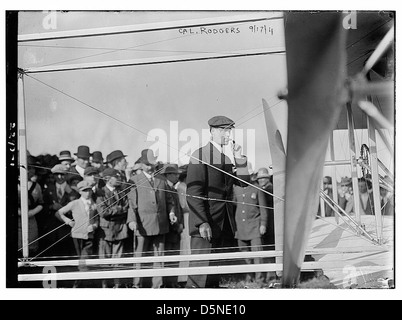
x,y
60,172
86,188
263,176
174,172
82,156
229,126
111,160
145,161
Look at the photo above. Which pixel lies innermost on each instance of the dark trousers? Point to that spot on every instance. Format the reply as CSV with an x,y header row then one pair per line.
x,y
253,245
145,244
111,249
203,246
171,248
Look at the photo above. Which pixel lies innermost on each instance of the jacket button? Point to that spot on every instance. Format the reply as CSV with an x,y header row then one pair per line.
x,y
244,219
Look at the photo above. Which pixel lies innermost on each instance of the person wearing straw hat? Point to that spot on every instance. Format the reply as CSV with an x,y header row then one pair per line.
x,y
150,206
56,196
212,173
65,158
112,208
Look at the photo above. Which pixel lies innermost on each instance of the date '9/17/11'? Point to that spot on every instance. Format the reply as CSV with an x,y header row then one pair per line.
x,y
261,29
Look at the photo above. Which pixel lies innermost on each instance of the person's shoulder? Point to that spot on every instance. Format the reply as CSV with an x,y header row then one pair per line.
x,y
138,178
198,155
237,188
74,203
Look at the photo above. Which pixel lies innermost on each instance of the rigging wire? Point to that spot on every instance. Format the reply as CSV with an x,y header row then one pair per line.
x,y
112,51
125,194
147,135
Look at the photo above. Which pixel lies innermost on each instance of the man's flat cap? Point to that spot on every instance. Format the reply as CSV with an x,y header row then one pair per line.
x,y
221,122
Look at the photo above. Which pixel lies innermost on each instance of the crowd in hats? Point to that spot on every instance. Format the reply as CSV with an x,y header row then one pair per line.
x,y
95,204
84,210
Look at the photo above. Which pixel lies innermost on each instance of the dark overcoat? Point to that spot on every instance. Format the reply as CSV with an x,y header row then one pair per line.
x,y
209,187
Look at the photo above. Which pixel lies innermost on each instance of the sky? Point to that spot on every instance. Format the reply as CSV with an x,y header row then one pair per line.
x,y
156,106
164,107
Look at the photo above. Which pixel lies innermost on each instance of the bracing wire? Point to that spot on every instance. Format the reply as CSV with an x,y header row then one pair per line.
x,y
126,194
136,129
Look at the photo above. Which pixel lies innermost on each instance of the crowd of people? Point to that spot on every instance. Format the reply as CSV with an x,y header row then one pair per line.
x,y
365,193
90,207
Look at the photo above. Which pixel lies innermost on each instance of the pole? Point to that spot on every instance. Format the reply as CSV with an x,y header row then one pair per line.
x,y
375,177
353,162
333,174
23,166
278,155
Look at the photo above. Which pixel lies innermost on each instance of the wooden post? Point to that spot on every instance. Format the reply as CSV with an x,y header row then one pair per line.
x,y
278,156
333,174
23,166
353,162
374,176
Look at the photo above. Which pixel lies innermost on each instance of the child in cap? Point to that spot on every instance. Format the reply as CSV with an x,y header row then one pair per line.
x,y
84,223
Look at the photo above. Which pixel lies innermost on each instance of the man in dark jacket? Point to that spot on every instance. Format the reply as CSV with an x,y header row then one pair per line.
x,y
211,175
83,156
150,205
55,196
112,208
173,237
